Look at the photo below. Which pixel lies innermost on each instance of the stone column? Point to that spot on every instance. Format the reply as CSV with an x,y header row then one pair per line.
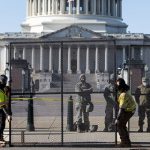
x,y
49,6
96,60
50,59
62,6
56,6
70,7
43,6
7,53
120,8
59,60
69,60
87,61
98,7
78,60
94,7
114,7
33,58
39,7
124,53
103,7
41,58
15,52
46,7
53,7
32,8
106,59
86,7
27,8
78,7
35,7
24,53
132,53
109,7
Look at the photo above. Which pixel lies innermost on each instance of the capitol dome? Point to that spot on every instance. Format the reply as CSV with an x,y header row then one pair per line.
x,y
103,16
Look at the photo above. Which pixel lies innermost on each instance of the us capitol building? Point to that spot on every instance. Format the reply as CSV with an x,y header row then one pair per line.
x,y
75,21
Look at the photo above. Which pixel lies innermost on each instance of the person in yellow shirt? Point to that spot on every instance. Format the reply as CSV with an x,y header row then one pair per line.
x,y
127,107
3,106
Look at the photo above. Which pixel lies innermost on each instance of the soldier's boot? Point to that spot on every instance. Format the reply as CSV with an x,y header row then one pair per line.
x,y
86,128
105,129
2,141
140,129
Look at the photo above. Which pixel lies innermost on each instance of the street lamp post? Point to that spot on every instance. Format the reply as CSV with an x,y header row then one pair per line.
x,y
30,117
23,80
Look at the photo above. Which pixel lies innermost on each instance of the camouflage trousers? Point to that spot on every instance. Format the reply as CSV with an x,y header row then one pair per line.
x,y
142,112
81,115
109,111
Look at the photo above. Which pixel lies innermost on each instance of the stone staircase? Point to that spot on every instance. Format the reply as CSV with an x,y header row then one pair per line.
x,y
69,82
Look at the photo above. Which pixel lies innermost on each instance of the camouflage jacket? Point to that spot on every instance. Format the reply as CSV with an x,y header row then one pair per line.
x,y
85,92
142,95
109,94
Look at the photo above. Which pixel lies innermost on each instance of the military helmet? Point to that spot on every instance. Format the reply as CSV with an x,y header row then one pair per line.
x,y
82,75
82,78
3,79
89,107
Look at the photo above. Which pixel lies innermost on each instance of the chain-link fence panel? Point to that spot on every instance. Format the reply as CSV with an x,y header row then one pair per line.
x,y
50,103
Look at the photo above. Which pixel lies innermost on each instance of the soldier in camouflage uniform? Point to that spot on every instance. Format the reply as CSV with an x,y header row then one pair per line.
x,y
142,97
82,101
110,104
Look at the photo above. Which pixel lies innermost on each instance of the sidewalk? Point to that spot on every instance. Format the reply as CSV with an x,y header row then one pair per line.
x,y
69,148
96,140
47,138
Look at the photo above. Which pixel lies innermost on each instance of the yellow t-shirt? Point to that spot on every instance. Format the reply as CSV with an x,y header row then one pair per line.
x,y
126,102
3,99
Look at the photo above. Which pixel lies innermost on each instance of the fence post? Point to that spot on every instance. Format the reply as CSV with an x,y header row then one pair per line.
x,y
70,114
30,117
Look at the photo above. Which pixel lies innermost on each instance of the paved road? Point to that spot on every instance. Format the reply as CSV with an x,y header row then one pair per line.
x,y
46,105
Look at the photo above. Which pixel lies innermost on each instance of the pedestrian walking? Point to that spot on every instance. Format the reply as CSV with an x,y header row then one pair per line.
x,y
127,107
3,107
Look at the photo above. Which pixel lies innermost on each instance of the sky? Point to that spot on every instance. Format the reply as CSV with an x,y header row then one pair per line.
x,y
136,14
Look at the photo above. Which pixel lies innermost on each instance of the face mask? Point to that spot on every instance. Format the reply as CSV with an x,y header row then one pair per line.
x,y
82,80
